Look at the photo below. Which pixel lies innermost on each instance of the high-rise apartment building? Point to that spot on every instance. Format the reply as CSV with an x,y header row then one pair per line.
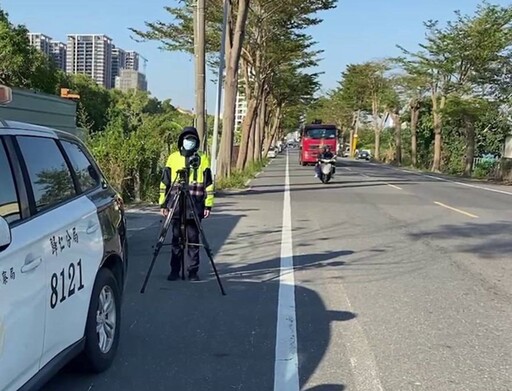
x,y
241,107
130,79
41,42
90,54
118,62
132,60
59,54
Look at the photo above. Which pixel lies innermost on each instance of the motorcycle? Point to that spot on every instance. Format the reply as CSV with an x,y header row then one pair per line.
x,y
326,169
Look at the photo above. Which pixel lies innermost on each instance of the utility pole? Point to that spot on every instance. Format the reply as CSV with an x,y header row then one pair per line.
x,y
220,82
200,57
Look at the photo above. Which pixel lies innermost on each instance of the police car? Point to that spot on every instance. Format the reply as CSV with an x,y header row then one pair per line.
x,y
63,257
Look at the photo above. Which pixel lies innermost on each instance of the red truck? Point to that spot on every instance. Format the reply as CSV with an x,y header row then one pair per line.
x,y
313,137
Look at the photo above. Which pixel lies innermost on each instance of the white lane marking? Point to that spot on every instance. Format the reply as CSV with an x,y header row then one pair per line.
x,y
456,210
394,187
347,168
451,181
362,360
470,185
286,369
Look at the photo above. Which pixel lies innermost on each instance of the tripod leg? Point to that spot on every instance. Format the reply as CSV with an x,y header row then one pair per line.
x,y
183,234
184,247
160,242
208,250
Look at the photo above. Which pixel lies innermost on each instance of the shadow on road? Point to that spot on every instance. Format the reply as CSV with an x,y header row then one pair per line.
x,y
268,270
186,336
489,240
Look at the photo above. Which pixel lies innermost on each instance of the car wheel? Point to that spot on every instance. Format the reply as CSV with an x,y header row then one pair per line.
x,y
103,323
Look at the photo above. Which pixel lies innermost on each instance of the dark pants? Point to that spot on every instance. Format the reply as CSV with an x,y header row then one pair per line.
x,y
192,258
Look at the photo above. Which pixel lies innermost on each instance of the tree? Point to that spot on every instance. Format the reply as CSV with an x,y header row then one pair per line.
x,y
273,44
94,102
366,91
178,36
411,89
462,60
263,39
21,65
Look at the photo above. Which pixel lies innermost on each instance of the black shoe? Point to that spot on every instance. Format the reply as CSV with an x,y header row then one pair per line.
x,y
173,276
192,276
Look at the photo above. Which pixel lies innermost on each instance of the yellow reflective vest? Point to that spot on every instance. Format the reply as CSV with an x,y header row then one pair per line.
x,y
200,182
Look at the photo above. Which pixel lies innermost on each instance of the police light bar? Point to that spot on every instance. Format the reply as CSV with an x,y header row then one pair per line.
x,y
5,95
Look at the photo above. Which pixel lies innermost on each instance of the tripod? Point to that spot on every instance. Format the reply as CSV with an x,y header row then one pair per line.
x,y
183,199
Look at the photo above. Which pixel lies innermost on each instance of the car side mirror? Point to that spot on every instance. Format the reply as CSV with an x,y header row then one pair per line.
x,y
5,234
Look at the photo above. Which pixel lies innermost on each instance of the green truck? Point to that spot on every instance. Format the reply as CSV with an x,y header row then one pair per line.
x,y
41,109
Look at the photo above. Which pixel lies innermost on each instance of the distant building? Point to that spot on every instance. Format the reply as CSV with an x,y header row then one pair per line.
x,y
241,99
130,79
241,107
118,62
41,42
59,54
132,60
90,54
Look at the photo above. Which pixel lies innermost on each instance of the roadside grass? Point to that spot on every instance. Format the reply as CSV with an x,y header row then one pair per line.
x,y
239,178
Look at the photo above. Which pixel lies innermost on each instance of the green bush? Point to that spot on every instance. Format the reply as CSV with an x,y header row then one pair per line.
x,y
484,169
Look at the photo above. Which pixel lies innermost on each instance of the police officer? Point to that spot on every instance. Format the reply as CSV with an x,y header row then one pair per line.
x,y
201,190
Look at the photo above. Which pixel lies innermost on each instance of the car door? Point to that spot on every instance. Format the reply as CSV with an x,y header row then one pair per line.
x,y
22,284
72,241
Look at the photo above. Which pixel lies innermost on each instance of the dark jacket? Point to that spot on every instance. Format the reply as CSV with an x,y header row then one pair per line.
x,y
325,155
200,179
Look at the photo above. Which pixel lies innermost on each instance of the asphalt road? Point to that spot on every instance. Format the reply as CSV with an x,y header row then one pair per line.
x,y
401,281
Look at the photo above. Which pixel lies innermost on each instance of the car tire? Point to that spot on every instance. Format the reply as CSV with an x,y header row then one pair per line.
x,y
94,358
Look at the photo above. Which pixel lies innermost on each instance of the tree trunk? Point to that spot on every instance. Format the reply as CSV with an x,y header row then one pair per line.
x,y
438,124
273,131
376,124
436,164
252,140
260,129
255,137
234,43
470,146
415,114
377,144
252,105
200,71
136,185
398,138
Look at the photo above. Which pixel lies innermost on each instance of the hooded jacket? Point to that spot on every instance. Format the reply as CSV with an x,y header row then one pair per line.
x,y
200,180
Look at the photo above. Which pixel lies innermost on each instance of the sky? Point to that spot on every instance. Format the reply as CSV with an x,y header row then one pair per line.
x,y
355,31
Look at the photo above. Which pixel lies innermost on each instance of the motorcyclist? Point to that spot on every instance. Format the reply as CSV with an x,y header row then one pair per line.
x,y
326,153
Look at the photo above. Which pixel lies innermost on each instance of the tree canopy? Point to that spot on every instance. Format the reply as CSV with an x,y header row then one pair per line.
x,y
451,97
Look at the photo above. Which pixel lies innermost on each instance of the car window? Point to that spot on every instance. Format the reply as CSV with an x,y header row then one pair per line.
x,y
49,174
9,203
88,177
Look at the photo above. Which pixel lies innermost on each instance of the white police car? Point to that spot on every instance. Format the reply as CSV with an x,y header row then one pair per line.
x,y
63,257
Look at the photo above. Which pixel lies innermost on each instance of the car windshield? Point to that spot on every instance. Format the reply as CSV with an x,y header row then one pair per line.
x,y
319,133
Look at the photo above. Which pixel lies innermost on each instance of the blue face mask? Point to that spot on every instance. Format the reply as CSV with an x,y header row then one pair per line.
x,y
189,144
